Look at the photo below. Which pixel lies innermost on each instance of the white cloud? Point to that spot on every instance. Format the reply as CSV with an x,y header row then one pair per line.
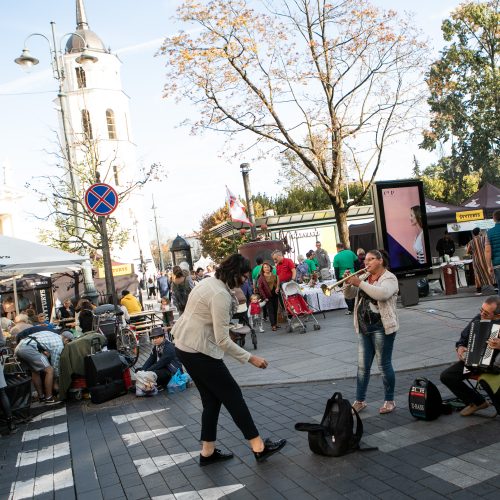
x,y
154,43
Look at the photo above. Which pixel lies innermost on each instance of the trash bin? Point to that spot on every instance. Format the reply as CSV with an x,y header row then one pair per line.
x,y
450,279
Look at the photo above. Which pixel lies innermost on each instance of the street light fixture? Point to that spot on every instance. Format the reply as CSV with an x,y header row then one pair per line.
x,y
245,171
26,60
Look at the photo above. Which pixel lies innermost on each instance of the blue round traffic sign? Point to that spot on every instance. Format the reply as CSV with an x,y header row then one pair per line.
x,y
101,199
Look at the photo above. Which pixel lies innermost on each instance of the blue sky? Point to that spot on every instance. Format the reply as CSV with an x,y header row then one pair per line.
x,y
196,172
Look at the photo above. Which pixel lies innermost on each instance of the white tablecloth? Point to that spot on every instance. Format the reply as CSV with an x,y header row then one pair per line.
x,y
460,268
319,301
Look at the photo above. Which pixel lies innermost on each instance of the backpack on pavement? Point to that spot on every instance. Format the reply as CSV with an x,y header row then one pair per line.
x,y
335,435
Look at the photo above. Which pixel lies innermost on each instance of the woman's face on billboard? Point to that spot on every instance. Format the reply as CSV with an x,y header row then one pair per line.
x,y
413,218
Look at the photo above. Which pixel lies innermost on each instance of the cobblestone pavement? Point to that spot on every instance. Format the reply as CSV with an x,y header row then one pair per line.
x,y
147,448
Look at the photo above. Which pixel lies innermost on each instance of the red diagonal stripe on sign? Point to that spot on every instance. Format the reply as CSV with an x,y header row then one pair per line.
x,y
101,199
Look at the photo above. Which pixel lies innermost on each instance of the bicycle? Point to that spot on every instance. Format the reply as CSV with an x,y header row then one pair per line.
x,y
108,322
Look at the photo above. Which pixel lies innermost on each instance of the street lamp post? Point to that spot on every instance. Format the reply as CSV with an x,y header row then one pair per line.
x,y
27,60
162,267
245,171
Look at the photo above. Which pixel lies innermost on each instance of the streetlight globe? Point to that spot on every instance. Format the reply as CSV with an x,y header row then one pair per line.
x,y
85,58
26,60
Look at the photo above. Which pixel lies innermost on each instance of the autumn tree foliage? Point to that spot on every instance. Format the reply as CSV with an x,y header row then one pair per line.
x,y
323,85
214,245
464,86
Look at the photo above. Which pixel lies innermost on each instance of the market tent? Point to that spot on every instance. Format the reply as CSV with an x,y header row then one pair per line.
x,y
439,213
487,198
19,257
203,262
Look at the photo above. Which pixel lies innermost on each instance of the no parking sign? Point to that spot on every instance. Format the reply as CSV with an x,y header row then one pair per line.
x,y
101,199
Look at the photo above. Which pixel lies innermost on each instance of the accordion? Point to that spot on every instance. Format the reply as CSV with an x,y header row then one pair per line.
x,y
480,357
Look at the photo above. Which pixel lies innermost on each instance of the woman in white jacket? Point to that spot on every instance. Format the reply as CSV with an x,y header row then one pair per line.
x,y
201,339
376,323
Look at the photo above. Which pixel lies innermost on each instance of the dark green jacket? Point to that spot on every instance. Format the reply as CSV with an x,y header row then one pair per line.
x,y
73,358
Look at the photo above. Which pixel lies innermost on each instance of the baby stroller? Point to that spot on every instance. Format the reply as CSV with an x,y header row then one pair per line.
x,y
297,309
239,331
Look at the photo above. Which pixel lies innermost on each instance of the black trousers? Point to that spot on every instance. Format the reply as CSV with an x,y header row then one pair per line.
x,y
453,378
272,309
163,376
217,387
350,304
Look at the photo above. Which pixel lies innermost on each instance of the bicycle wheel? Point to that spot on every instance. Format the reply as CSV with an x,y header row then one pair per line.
x,y
127,344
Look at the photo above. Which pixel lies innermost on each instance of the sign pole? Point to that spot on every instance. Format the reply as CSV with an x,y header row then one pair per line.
x,y
102,199
106,256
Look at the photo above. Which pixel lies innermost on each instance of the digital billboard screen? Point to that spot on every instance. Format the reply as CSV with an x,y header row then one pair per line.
x,y
401,222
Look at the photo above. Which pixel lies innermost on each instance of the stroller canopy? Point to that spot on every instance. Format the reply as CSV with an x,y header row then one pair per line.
x,y
291,288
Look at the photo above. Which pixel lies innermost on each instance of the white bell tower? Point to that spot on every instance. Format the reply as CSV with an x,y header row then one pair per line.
x,y
98,114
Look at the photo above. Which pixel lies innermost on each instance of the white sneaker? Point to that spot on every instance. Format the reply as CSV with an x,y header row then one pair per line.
x,y
261,330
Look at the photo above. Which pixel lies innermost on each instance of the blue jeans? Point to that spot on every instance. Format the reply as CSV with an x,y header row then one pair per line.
x,y
376,344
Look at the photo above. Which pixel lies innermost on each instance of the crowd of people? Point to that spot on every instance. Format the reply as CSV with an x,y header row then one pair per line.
x,y
208,301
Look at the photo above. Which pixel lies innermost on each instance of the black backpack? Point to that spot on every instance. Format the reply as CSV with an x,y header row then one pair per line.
x,y
424,400
334,436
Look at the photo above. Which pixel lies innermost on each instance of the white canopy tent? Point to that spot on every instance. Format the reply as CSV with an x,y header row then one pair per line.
x,y
203,262
19,257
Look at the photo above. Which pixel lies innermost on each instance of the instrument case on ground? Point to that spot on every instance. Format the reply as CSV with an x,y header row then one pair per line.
x,y
103,367
104,392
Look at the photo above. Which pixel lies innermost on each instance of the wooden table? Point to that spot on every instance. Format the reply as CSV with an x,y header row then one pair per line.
x,y
145,321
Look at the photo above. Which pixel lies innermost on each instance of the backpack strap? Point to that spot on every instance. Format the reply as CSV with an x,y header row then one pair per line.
x,y
304,427
359,433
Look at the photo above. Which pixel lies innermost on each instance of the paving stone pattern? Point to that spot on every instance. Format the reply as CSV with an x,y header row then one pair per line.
x,y
147,448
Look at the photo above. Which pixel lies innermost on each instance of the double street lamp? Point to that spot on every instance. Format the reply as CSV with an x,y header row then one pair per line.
x,y
26,60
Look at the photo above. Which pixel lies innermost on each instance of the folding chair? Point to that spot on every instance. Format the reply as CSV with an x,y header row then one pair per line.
x,y
480,384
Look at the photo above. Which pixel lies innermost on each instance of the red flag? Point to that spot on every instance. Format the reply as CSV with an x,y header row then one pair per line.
x,y
236,209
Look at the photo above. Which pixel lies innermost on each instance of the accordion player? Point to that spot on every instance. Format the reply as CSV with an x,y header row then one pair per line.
x,y
479,355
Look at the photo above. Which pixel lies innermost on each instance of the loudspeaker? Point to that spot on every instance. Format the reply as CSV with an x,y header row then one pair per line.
x,y
408,290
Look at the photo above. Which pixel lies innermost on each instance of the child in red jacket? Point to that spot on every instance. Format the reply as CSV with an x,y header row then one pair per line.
x,y
255,311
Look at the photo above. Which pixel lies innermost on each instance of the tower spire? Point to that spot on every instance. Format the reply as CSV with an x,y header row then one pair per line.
x,y
81,17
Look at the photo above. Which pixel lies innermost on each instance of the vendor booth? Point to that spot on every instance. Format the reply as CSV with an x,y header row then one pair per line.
x,y
487,199
34,291
21,258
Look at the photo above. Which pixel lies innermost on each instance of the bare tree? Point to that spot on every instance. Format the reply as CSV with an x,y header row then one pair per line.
x,y
328,85
75,228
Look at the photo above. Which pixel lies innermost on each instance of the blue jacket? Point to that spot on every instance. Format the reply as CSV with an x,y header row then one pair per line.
x,y
163,286
167,360
494,239
247,289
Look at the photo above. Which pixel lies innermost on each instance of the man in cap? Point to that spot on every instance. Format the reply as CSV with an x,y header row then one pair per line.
x,y
162,359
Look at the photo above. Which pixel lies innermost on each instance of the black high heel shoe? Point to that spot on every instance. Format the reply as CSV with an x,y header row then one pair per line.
x,y
270,447
216,456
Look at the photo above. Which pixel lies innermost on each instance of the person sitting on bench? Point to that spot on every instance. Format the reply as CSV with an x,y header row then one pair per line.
x,y
453,377
162,359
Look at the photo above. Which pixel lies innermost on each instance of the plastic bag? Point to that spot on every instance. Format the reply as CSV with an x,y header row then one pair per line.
x,y
179,382
145,384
